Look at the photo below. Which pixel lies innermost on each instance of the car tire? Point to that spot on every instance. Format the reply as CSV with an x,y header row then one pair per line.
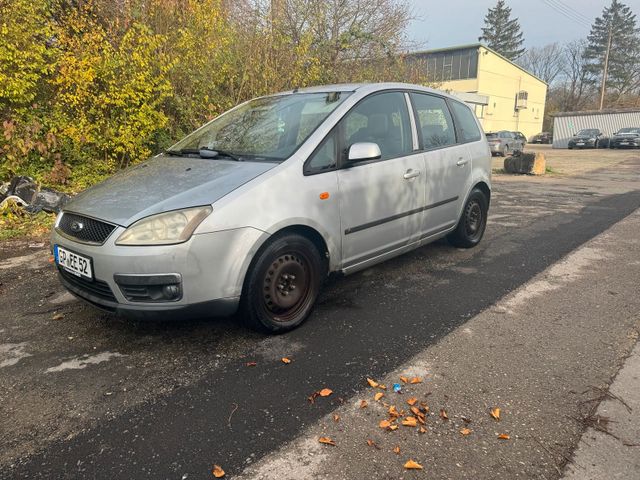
x,y
282,284
472,222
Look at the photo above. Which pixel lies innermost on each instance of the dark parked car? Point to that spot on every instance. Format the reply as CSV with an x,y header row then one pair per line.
x,y
520,136
542,137
587,138
504,143
626,138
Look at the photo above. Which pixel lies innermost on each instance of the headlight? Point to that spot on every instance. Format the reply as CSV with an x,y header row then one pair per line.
x,y
592,139
165,228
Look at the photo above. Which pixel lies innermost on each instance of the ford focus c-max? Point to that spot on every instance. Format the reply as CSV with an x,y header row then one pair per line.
x,y
253,210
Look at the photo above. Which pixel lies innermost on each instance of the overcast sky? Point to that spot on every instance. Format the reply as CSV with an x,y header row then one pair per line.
x,y
445,23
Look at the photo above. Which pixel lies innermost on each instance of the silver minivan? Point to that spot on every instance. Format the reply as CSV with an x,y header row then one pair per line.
x,y
253,210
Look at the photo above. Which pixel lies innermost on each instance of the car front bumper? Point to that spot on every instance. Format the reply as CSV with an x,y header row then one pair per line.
x,y
205,274
625,143
582,144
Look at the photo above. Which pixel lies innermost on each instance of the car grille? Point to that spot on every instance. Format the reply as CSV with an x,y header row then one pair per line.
x,y
92,231
97,288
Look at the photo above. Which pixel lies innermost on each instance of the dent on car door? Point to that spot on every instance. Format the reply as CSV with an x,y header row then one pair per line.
x,y
447,163
380,200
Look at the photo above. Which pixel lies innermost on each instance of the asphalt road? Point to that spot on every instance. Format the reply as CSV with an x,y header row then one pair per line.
x,y
89,396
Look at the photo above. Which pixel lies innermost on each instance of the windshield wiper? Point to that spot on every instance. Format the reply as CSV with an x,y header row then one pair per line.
x,y
215,152
208,153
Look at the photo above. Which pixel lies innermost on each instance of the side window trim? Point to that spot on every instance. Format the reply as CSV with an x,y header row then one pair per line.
x,y
412,120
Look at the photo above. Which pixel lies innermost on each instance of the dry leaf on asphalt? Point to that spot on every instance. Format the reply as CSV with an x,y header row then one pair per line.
x,y
503,436
58,316
378,396
382,387
410,422
327,441
411,465
372,383
443,414
393,427
396,450
422,430
373,444
415,380
325,392
384,424
393,412
217,471
465,431
416,411
363,404
286,360
404,379
251,364
336,417
412,401
495,413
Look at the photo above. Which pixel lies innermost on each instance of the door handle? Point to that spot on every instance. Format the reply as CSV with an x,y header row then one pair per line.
x,y
411,174
462,161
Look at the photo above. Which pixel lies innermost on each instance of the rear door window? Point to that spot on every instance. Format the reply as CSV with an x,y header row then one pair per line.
x,y
434,120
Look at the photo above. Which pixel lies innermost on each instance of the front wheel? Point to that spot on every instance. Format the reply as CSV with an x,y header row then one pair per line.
x,y
472,223
282,284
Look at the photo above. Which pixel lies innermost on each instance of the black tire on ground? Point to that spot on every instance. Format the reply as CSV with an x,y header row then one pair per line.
x,y
472,222
282,284
570,148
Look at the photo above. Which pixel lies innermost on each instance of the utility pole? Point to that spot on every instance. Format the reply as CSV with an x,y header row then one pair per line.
x,y
606,68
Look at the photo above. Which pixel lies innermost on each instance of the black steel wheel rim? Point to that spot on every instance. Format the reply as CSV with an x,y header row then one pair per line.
x,y
287,286
473,219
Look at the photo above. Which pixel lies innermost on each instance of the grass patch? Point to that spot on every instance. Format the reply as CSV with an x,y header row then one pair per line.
x,y
15,222
549,170
498,170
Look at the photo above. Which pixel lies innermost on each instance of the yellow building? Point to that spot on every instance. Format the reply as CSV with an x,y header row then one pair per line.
x,y
505,95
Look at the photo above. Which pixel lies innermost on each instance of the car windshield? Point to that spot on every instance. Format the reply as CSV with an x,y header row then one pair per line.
x,y
267,129
629,130
588,132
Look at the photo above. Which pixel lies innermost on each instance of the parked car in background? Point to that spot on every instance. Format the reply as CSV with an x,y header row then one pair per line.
x,y
626,138
542,137
253,210
587,138
504,143
520,136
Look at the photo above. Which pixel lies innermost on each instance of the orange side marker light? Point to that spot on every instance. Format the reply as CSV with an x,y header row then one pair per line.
x,y
324,195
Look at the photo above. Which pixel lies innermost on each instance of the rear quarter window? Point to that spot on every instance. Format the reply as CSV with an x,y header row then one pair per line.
x,y
466,122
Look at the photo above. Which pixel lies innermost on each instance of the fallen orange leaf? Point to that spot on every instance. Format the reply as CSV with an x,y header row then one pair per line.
x,y
465,431
495,413
217,471
412,401
327,441
336,417
416,411
410,422
415,380
363,404
378,396
286,360
422,420
393,427
396,450
384,424
503,436
443,414
372,383
422,430
381,386
325,392
393,412
404,379
411,465
373,444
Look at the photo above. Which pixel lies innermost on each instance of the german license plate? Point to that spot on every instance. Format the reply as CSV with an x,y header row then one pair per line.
x,y
580,143
624,143
72,262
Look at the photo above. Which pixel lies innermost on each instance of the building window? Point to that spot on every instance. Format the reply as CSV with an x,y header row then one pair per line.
x,y
521,100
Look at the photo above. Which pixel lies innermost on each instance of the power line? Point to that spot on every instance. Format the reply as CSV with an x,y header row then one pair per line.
x,y
575,12
568,13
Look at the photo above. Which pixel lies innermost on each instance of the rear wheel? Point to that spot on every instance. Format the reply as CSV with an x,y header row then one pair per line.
x,y
472,223
282,284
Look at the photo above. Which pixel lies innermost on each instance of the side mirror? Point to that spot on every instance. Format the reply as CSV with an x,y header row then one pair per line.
x,y
361,152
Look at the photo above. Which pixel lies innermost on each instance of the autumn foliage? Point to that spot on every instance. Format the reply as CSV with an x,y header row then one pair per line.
x,y
88,87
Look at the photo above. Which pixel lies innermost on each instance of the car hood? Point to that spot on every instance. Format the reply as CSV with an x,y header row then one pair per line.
x,y
162,184
583,137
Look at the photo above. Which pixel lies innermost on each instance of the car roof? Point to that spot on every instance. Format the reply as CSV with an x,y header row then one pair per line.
x,y
366,88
